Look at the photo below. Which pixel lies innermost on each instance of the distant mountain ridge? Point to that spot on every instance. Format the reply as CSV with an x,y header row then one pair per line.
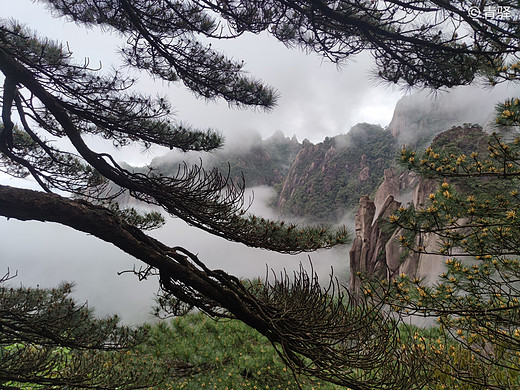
x,y
262,162
327,179
321,182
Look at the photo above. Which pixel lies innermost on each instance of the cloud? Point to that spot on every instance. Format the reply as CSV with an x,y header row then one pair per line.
x,y
473,104
317,100
244,261
46,254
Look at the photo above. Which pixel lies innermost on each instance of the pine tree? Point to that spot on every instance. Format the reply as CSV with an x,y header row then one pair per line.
x,y
48,341
432,44
56,98
329,334
474,213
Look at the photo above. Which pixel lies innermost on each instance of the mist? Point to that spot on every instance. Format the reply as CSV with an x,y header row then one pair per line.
x,y
316,101
45,254
468,104
234,142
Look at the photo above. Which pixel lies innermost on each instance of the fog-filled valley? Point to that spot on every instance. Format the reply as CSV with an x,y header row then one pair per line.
x,y
46,254
312,195
57,253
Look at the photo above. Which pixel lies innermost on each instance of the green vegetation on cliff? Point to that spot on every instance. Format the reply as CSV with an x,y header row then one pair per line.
x,y
260,162
327,179
318,182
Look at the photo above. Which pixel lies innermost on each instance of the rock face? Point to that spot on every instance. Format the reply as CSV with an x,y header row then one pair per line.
x,y
327,179
418,119
364,174
367,254
310,158
389,187
375,251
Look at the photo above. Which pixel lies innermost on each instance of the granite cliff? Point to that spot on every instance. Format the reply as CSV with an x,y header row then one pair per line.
x,y
324,181
327,179
375,251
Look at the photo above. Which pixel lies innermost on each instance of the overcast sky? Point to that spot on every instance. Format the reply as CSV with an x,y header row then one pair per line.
x,y
317,100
